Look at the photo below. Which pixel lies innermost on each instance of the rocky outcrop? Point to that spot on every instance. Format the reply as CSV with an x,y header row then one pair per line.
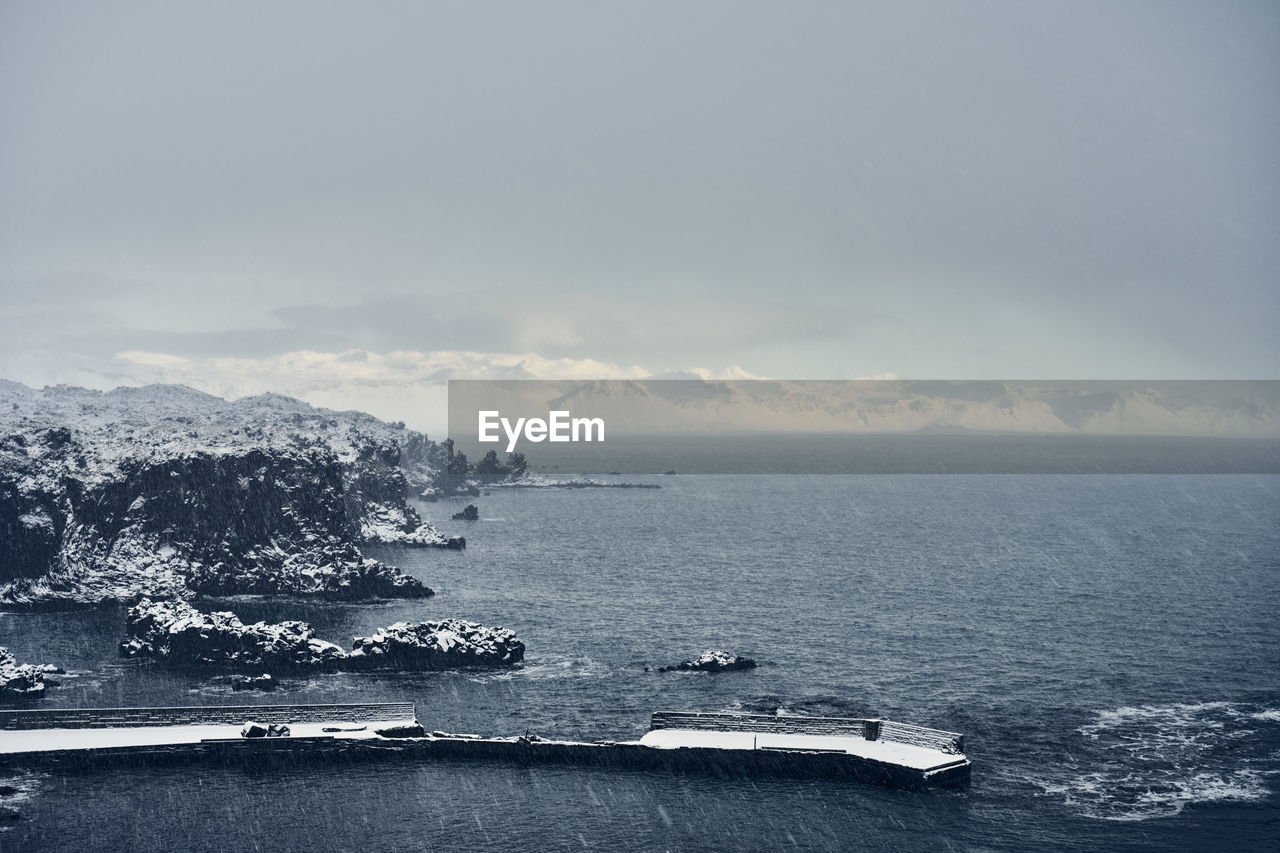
x,y
470,513
711,661
166,492
264,683
436,645
176,632
405,730
376,492
342,574
22,681
252,729
489,468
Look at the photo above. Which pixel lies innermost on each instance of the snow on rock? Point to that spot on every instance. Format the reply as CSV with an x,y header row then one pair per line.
x,y
262,682
711,661
176,632
22,680
166,492
436,645
392,525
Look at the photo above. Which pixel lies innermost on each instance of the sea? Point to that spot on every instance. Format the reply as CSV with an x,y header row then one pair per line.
x,y
1108,644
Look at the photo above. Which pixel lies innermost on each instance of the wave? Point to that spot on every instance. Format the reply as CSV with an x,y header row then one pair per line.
x,y
554,670
17,787
1152,761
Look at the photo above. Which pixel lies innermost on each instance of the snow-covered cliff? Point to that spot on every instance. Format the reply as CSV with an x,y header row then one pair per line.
x,y
168,492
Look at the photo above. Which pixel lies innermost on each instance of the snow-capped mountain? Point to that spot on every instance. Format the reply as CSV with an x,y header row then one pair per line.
x,y
1190,408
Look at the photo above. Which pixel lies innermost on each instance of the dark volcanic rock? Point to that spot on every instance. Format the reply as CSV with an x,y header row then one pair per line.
x,y
406,730
22,681
345,575
436,645
470,513
176,632
262,682
166,492
711,661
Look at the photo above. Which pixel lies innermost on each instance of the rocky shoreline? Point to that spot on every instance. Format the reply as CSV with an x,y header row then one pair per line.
x,y
169,493
175,632
23,681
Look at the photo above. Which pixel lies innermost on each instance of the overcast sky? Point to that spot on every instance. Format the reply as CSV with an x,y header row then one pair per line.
x,y
807,190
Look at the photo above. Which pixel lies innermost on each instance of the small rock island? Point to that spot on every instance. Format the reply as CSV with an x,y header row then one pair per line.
x,y
176,632
711,661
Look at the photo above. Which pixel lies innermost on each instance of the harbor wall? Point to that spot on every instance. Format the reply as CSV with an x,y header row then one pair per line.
x,y
114,718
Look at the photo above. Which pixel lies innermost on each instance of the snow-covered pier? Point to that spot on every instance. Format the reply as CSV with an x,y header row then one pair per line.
x,y
878,750
725,744
83,735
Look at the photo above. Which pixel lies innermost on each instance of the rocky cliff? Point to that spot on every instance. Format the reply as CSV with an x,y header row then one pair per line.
x,y
167,492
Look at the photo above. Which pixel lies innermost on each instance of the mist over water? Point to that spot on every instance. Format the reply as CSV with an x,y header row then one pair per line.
x,y
1108,644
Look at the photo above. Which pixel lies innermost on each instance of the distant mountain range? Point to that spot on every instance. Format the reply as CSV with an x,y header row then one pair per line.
x,y
1220,408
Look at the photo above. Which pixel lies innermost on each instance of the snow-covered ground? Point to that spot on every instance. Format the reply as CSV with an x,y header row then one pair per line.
x,y
47,740
902,754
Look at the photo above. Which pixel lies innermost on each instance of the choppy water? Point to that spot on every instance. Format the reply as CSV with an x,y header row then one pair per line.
x,y
1110,645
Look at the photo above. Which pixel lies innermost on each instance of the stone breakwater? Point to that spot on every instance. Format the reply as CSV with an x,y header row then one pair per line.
x,y
175,632
169,493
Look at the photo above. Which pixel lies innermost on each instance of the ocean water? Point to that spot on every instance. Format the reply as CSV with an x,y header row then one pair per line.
x,y
1109,645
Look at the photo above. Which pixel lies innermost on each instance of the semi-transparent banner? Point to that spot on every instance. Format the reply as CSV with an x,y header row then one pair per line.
x,y
661,426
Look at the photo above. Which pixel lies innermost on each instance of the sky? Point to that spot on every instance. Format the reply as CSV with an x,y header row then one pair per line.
x,y
349,202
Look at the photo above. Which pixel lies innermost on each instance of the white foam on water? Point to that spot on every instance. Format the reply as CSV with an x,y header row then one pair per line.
x,y
1152,761
555,670
26,786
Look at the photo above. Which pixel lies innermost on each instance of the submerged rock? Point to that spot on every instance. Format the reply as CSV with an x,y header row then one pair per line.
x,y
262,682
711,661
23,680
470,513
176,632
436,645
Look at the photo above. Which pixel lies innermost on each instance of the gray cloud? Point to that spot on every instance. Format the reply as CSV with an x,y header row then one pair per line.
x,y
945,189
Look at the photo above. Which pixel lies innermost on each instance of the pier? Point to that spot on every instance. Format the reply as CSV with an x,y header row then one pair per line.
x,y
871,750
